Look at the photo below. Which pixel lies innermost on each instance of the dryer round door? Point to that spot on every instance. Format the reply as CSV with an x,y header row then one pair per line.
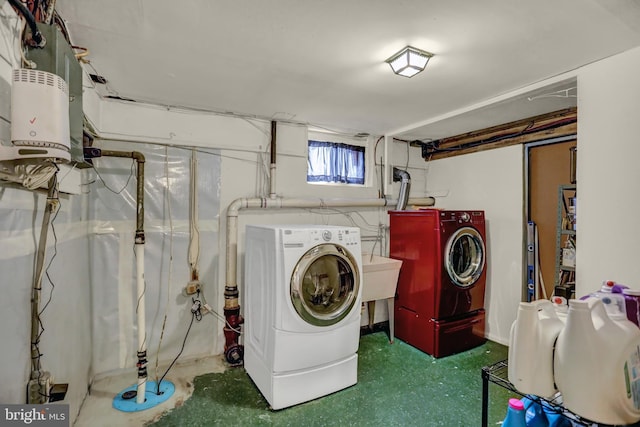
x,y
325,284
464,257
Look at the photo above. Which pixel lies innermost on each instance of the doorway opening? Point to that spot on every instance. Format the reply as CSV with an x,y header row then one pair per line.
x,y
550,190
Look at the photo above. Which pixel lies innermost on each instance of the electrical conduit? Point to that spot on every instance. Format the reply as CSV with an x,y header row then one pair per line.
x,y
36,325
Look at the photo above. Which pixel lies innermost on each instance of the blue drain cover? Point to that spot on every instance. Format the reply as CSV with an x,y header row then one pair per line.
x,y
126,400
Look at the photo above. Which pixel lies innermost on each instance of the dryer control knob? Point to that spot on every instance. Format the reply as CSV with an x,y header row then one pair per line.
x,y
465,217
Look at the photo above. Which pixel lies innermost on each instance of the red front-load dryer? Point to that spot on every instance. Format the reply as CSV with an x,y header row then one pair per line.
x,y
439,305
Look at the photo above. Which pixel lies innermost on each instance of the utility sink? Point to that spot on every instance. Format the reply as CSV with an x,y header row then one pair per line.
x,y
380,278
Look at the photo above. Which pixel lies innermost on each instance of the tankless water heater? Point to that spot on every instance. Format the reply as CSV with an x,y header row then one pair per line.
x,y
39,117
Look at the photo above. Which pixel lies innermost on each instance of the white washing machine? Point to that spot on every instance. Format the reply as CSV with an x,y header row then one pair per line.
x,y
302,292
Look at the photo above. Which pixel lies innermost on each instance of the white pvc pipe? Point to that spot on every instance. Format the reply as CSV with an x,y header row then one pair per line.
x,y
140,310
272,181
194,233
278,203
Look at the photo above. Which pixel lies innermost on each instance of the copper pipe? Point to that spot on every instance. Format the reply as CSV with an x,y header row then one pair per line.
x,y
139,158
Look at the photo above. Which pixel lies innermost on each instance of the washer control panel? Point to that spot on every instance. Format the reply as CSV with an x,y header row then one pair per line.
x,y
344,236
462,217
299,237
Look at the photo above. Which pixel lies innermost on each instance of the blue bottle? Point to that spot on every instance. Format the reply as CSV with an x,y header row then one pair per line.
x,y
515,414
534,413
554,416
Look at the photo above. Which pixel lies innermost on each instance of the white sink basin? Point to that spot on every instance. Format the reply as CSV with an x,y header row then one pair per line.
x,y
380,277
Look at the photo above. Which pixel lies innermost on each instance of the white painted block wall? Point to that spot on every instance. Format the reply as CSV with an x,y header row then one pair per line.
x,y
608,200
491,181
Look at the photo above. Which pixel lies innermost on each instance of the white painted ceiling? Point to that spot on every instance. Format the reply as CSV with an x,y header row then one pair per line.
x,y
321,62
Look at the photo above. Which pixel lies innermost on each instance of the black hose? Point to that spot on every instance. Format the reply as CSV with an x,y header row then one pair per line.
x,y
35,33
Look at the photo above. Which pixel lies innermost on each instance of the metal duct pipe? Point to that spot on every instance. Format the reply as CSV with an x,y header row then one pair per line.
x,y
405,185
234,352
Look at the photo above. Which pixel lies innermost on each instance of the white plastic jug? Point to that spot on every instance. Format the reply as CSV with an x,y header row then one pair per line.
x,y
531,344
562,307
597,365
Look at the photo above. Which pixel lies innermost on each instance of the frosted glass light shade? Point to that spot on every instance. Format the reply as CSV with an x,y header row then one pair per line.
x,y
409,61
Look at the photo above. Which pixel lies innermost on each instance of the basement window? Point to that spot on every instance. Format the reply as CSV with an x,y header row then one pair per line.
x,y
335,163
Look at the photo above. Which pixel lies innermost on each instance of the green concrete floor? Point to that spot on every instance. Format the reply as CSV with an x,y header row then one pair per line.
x,y
398,385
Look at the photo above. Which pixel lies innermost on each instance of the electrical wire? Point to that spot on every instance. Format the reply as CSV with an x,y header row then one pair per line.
x,y
378,174
34,7
36,36
133,165
226,113
107,86
264,131
80,56
25,62
178,147
195,313
68,172
38,317
562,93
53,256
406,166
334,211
169,279
50,13
375,147
194,230
35,176
144,291
218,315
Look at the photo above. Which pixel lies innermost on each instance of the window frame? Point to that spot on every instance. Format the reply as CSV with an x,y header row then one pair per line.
x,y
353,141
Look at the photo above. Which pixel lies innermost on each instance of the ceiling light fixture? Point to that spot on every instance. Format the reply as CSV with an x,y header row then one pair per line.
x,y
409,61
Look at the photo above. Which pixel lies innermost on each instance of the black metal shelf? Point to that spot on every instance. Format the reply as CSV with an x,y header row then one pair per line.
x,y
498,373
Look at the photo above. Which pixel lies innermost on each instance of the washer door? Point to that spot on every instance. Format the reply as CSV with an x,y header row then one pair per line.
x,y
464,257
325,284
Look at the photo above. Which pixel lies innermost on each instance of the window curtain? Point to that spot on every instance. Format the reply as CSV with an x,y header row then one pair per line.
x,y
335,162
